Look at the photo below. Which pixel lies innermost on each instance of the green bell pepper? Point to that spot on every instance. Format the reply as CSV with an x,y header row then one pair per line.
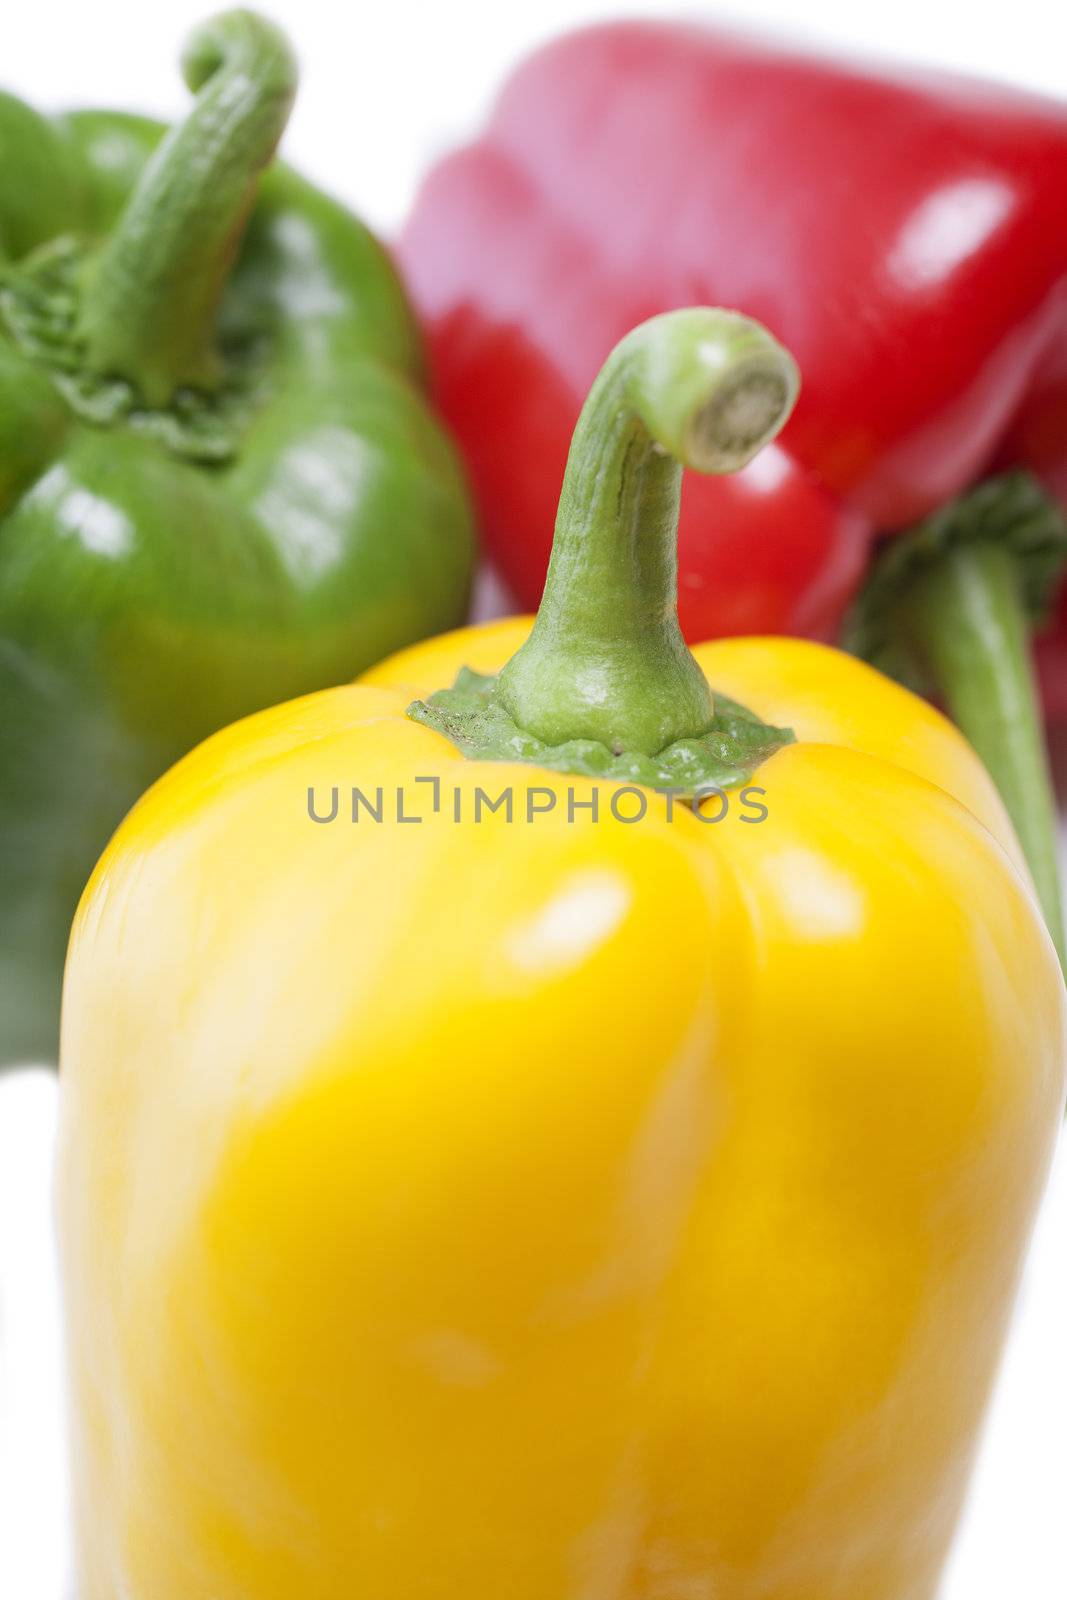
x,y
220,482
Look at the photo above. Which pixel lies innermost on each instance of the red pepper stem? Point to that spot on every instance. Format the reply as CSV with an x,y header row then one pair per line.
x,y
967,613
150,302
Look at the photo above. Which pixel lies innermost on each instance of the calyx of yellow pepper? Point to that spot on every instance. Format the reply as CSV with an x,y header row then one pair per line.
x,y
948,610
605,685
735,742
127,331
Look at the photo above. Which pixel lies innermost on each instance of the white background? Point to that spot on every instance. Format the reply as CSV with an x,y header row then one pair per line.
x,y
386,86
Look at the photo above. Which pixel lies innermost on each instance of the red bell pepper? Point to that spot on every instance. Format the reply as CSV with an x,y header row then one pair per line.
x,y
906,239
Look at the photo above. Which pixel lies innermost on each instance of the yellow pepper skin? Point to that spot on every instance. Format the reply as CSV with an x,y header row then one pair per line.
x,y
550,1210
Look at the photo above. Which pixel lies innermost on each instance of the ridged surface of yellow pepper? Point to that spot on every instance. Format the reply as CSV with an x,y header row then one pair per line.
x,y
549,1209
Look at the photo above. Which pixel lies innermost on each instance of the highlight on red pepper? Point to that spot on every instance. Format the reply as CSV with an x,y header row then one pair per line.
x,y
905,238
603,1193
220,480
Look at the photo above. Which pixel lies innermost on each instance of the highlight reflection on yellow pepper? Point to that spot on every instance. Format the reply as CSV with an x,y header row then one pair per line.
x,y
564,1208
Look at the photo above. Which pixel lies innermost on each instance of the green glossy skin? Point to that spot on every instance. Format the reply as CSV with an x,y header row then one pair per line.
x,y
146,599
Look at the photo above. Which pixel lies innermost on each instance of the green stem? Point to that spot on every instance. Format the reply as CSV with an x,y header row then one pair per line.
x,y
606,659
967,614
149,308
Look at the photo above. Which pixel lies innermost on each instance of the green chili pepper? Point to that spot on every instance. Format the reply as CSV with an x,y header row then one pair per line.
x,y
220,482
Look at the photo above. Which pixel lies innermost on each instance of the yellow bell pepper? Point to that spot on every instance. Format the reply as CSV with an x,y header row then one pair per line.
x,y
556,1207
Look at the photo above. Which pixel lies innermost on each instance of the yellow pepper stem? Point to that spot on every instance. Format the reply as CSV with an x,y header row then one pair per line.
x,y
606,660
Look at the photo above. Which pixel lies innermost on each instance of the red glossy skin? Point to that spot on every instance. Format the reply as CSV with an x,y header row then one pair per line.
x,y
906,239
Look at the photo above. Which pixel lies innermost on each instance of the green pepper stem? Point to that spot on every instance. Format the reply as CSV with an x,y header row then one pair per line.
x,y
150,304
967,613
606,659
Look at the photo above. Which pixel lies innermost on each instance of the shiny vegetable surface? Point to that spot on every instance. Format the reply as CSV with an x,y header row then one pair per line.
x,y
586,1198
220,482
905,236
